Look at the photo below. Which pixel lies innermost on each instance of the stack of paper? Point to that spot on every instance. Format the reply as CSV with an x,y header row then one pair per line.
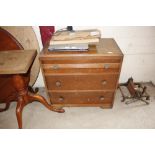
x,y
73,40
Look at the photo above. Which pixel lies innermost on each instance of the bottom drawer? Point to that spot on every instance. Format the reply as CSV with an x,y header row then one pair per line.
x,y
85,98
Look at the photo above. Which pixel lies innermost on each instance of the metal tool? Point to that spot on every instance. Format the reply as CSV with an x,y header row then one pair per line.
x,y
137,92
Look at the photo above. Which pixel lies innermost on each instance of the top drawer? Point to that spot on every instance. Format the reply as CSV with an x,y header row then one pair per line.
x,y
80,59
81,68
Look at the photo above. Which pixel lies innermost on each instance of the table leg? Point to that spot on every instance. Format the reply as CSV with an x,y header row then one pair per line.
x,y
19,110
41,99
7,103
24,97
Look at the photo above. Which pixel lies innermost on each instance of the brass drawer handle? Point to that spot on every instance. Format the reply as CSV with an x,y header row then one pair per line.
x,y
101,98
106,66
58,83
55,67
61,99
104,82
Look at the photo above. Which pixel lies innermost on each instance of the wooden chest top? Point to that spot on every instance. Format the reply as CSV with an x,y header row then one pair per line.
x,y
106,47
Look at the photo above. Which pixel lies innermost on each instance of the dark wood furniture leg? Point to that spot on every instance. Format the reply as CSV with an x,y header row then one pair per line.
x,y
24,97
7,103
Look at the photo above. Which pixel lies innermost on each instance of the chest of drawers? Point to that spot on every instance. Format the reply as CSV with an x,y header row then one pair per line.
x,y
82,78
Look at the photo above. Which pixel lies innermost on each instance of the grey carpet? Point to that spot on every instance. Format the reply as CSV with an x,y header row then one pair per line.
x,y
36,116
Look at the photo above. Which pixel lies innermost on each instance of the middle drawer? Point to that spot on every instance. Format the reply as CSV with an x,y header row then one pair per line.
x,y
82,82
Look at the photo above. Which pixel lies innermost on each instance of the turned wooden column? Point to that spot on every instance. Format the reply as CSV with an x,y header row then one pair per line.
x,y
24,97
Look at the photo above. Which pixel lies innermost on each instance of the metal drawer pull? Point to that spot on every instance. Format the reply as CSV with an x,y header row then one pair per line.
x,y
104,82
102,98
106,66
61,98
58,83
55,67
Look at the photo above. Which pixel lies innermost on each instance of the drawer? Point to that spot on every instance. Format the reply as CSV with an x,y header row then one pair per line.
x,y
82,82
85,97
81,68
80,59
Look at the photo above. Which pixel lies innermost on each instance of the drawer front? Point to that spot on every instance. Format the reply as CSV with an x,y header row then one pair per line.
x,y
81,82
82,68
80,59
92,97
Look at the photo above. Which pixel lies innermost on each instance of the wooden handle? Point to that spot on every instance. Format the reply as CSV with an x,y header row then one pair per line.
x,y
104,82
58,83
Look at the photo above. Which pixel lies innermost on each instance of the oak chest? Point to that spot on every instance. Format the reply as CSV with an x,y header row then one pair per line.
x,y
82,78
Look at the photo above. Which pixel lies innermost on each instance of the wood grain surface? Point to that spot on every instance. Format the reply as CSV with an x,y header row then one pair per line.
x,y
16,62
27,38
82,78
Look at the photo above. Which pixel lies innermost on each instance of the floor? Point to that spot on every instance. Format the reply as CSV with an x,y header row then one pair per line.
x,y
35,116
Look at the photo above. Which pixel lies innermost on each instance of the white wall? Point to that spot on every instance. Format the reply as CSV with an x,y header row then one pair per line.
x,y
138,46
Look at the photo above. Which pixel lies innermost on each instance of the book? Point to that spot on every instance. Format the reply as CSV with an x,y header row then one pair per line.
x,y
75,41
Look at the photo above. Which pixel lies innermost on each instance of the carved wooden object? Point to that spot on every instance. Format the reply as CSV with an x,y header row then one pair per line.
x,y
82,78
136,90
17,65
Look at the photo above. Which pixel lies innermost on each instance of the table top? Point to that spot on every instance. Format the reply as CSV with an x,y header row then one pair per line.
x,y
16,62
